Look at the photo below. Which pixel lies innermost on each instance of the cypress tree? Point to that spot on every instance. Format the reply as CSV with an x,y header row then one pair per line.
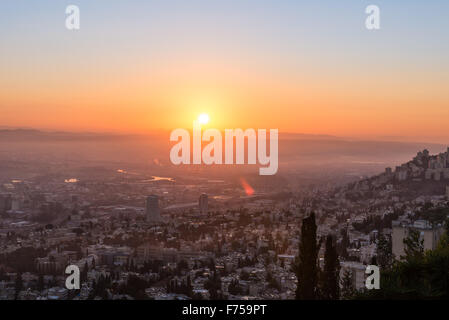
x,y
305,267
331,273
40,283
347,288
18,284
384,252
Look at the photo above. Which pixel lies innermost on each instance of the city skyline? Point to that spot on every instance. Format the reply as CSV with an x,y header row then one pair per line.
x,y
246,151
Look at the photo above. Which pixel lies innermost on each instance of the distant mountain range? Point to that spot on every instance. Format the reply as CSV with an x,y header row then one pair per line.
x,y
30,133
294,148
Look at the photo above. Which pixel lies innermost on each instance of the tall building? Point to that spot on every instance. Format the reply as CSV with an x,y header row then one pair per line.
x,y
203,203
430,234
16,204
152,209
5,202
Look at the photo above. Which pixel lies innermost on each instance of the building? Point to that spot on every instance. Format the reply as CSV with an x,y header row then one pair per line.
x,y
203,203
149,252
401,173
57,293
152,209
357,270
428,233
16,204
5,202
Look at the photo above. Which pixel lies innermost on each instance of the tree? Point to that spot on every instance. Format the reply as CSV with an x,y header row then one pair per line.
x,y
84,272
413,246
331,274
347,286
425,277
213,284
421,275
384,252
444,240
181,266
305,266
342,249
40,283
446,226
272,281
234,288
189,287
18,284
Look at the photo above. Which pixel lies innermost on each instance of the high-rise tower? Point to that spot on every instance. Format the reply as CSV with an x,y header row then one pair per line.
x,y
152,209
202,202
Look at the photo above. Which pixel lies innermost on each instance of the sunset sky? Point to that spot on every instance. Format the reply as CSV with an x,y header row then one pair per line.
x,y
140,66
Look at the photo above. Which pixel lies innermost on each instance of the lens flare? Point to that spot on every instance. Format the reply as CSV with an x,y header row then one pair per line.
x,y
248,189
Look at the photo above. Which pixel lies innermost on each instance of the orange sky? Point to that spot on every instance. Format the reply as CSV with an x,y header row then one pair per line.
x,y
295,77
234,96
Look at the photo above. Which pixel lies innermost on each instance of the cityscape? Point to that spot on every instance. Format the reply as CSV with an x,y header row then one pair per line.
x,y
135,236
201,151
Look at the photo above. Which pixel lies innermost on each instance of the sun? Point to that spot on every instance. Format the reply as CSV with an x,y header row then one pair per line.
x,y
203,118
